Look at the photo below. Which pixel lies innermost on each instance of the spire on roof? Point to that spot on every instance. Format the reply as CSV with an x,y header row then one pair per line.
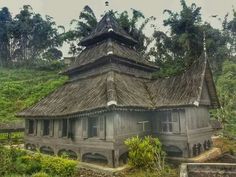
x,y
107,28
107,6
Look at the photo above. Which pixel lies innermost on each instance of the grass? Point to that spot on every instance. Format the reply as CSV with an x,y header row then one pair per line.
x,y
21,88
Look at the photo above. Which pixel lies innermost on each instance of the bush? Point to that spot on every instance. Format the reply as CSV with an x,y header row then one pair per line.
x,y
40,174
29,164
14,161
5,161
145,153
58,166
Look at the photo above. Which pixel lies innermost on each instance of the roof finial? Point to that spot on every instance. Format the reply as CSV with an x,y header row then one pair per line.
x,y
204,44
107,3
107,6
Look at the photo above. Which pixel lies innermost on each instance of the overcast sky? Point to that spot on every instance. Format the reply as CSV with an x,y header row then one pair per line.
x,y
63,11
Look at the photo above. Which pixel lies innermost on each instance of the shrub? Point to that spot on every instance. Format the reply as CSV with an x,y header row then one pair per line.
x,y
40,174
5,161
58,166
28,164
146,152
15,161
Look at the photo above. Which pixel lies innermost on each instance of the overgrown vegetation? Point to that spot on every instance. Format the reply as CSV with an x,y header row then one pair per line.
x,y
146,154
19,162
226,87
20,88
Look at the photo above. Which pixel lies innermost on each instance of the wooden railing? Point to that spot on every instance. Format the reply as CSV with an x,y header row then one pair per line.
x,y
12,132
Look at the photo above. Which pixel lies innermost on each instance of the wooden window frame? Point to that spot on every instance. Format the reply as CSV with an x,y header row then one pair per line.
x,y
90,128
169,120
101,127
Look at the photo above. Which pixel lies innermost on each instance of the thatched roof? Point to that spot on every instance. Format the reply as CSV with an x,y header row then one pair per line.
x,y
108,27
184,89
111,50
113,90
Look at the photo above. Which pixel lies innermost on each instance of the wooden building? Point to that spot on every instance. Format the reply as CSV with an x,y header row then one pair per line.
x,y
111,96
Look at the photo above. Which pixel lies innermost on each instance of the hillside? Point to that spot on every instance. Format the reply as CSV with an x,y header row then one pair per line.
x,y
20,88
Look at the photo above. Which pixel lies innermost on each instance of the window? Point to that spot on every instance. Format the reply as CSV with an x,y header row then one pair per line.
x,y
31,127
71,128
170,122
93,127
46,127
64,127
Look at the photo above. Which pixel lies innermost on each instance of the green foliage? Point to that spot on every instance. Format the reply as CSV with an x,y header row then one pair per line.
x,y
145,153
226,88
177,51
58,166
169,68
24,38
5,162
15,161
8,158
40,174
21,88
185,32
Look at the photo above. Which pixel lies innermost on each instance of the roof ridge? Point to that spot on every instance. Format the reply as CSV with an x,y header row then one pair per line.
x,y
148,92
111,91
197,102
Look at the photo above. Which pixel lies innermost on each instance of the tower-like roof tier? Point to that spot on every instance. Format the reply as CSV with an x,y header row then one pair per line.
x,y
111,50
108,27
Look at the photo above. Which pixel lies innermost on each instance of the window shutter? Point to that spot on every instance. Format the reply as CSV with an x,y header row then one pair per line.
x,y
102,127
175,122
85,127
26,126
41,127
51,128
60,128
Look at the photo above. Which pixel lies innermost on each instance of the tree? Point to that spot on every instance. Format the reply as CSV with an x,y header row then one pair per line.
x,y
52,54
88,21
130,25
33,35
177,51
84,26
230,31
5,35
226,88
185,32
216,46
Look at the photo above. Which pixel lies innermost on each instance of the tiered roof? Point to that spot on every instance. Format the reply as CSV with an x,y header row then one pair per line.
x,y
109,50
108,27
92,95
112,90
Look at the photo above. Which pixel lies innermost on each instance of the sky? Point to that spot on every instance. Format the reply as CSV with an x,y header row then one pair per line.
x,y
63,11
